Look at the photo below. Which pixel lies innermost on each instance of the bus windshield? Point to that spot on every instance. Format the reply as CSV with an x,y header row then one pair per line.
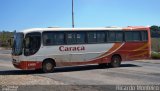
x,y
17,44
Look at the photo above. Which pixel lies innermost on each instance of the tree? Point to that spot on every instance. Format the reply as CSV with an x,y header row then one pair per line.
x,y
155,28
155,31
5,38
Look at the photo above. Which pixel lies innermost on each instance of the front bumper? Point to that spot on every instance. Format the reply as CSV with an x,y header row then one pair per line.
x,y
27,65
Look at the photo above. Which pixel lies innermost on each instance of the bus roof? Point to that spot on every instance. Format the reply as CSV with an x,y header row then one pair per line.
x,y
84,29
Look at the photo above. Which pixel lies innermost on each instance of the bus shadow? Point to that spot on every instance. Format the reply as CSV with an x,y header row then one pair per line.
x,y
62,69
19,72
89,67
129,65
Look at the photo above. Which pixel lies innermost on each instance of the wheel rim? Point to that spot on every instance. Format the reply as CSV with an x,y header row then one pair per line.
x,y
116,62
49,66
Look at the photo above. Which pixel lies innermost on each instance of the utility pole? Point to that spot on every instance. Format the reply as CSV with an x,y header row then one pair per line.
x,y
72,14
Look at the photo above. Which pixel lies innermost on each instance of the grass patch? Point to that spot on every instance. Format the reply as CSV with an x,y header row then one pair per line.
x,y
155,55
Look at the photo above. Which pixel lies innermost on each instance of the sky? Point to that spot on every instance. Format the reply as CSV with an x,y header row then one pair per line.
x,y
24,14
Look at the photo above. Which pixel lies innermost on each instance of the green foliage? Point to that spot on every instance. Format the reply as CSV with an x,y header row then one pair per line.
x,y
155,31
155,44
155,55
155,28
6,39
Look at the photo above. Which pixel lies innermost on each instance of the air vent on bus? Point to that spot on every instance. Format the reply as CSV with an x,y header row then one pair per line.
x,y
112,27
54,27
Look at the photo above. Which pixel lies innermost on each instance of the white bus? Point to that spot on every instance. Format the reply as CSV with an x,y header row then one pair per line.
x,y
47,48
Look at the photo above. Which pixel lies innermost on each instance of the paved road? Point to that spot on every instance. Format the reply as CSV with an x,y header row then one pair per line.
x,y
5,55
5,51
142,72
130,73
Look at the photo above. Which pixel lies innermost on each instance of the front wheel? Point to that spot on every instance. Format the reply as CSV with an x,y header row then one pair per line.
x,y
115,61
48,66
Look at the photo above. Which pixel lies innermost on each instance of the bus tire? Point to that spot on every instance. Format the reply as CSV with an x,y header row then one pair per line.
x,y
115,61
48,66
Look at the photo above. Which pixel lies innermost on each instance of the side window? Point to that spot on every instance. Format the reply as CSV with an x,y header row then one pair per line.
x,y
92,37
48,38
136,36
115,36
80,37
128,36
132,36
71,38
53,38
111,36
32,43
100,37
119,36
58,39
144,35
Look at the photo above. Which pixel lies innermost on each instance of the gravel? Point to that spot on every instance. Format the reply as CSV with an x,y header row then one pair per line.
x,y
27,80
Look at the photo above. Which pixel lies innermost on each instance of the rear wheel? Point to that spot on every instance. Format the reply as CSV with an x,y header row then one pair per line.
x,y
48,66
115,61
